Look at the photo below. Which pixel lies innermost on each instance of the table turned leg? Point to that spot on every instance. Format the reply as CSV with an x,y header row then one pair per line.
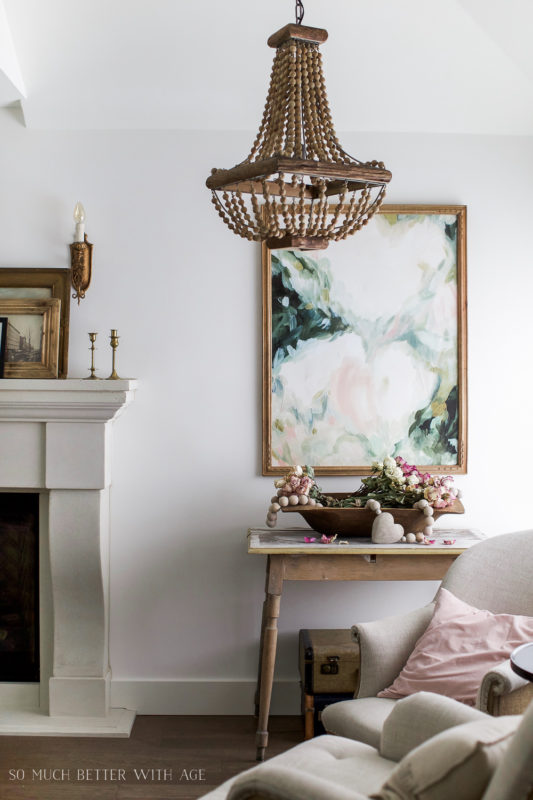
x,y
258,687
269,637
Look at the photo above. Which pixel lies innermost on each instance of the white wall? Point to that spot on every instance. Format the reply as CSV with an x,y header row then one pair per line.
x,y
184,294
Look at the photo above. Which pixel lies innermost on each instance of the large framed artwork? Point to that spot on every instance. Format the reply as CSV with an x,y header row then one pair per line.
x,y
364,347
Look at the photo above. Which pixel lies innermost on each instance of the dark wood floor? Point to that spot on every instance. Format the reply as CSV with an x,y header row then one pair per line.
x,y
182,757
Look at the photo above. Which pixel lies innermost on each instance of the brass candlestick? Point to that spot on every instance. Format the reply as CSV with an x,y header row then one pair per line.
x,y
92,376
113,340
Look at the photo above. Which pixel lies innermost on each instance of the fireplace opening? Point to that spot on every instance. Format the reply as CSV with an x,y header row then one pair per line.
x,y
19,587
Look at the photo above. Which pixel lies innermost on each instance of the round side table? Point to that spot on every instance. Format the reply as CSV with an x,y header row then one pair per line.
x,y
522,661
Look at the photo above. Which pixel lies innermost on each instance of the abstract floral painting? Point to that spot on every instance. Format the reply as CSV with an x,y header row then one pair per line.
x,y
365,346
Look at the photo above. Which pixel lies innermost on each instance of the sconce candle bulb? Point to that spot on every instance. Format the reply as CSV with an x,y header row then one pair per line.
x,y
79,219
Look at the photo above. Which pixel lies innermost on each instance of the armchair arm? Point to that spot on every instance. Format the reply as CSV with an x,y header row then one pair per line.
x,y
385,646
273,782
419,717
502,691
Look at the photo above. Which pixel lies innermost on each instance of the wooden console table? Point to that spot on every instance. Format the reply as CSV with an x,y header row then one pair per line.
x,y
290,558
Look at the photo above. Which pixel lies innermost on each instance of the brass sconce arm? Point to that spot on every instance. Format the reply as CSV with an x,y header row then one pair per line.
x,y
81,261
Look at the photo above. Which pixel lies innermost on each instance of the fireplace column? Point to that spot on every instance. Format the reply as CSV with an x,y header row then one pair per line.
x,y
78,477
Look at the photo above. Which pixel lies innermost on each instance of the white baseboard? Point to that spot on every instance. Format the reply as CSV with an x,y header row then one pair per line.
x,y
200,697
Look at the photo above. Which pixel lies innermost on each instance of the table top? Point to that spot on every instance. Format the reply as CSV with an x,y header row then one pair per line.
x,y
522,661
291,541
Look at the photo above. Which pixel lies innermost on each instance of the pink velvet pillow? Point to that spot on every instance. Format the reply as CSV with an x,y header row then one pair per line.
x,y
460,644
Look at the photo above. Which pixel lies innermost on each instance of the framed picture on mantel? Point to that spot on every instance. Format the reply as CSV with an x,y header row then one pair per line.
x,y
32,337
42,284
364,347
3,338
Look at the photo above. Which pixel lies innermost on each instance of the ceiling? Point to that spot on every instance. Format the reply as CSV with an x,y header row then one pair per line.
x,y
440,66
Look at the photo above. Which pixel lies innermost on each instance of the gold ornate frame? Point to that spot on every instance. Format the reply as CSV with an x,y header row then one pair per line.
x,y
50,311
57,281
461,466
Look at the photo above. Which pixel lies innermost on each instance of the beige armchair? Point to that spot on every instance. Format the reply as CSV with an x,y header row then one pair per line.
x,y
494,575
431,747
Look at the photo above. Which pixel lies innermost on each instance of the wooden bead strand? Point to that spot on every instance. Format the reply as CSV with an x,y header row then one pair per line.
x,y
289,226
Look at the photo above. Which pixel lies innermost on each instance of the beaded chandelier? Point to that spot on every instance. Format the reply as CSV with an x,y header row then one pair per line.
x,y
298,188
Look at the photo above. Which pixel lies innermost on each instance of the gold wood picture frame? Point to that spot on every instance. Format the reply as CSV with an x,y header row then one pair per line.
x,y
32,340
365,347
40,284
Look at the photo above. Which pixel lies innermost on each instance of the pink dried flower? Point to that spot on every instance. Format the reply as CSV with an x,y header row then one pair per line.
x,y
305,485
295,482
309,539
327,539
407,469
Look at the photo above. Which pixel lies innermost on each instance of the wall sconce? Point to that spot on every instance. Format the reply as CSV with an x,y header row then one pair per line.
x,y
81,256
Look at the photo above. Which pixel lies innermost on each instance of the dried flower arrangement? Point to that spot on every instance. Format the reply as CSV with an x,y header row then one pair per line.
x,y
393,484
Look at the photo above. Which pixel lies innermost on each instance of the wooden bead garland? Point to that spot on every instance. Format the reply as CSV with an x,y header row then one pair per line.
x,y
281,501
411,538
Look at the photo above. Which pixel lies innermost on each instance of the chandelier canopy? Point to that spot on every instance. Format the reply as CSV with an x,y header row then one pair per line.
x,y
298,188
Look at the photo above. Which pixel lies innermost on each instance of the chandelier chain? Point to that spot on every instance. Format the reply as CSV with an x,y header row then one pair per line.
x,y
299,12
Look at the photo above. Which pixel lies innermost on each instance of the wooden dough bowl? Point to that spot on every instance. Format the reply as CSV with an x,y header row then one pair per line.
x,y
358,521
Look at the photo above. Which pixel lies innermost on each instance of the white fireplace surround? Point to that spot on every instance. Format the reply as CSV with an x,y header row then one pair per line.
x,y
55,439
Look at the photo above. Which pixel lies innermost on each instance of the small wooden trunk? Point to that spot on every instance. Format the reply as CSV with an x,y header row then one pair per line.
x,y
329,672
329,661
312,707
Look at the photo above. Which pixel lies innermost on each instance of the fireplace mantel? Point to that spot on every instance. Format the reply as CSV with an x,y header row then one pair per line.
x,y
55,439
68,400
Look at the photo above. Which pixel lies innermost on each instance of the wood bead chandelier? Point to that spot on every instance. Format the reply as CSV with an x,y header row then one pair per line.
x,y
298,188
